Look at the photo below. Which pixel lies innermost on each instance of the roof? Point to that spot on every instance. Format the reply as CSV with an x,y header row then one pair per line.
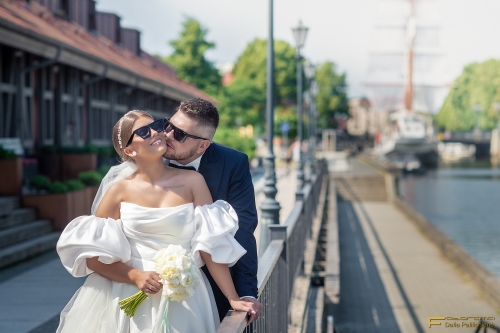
x,y
30,24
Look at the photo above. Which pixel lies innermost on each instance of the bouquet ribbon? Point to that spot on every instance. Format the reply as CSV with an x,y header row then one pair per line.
x,y
166,325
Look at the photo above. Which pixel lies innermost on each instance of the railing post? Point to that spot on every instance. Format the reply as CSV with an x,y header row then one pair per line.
x,y
299,196
278,232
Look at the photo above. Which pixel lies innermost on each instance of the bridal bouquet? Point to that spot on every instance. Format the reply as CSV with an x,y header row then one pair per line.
x,y
178,273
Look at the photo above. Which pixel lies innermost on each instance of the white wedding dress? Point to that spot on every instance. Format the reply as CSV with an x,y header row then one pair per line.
x,y
134,240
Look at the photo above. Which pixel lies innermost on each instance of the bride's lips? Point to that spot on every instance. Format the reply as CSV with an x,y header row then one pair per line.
x,y
156,141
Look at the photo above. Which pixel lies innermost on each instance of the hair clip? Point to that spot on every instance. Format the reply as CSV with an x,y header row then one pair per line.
x,y
120,133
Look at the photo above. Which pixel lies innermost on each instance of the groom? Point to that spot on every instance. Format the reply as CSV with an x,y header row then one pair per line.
x,y
227,173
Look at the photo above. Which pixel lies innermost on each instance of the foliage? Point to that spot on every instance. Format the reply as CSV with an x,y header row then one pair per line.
x,y
87,149
106,152
231,137
331,98
251,65
103,170
241,103
189,60
74,185
48,150
479,84
40,183
90,178
6,154
58,187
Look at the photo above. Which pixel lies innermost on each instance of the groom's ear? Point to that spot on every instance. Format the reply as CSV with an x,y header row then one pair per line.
x,y
203,146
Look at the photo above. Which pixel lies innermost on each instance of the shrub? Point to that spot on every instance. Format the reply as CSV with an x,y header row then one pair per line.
x,y
47,150
103,170
87,149
231,137
74,185
106,152
6,154
58,187
90,178
40,183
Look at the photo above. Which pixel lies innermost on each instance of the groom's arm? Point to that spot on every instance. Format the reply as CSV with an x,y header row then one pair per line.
x,y
241,196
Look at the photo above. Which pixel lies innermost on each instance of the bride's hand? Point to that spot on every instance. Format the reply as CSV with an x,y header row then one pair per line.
x,y
148,282
240,305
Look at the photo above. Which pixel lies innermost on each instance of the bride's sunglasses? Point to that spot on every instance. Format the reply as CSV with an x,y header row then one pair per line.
x,y
179,135
145,131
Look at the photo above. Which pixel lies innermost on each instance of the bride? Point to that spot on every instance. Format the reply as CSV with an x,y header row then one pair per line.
x,y
141,207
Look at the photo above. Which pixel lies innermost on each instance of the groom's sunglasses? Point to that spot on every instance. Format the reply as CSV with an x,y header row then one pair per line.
x,y
145,131
179,135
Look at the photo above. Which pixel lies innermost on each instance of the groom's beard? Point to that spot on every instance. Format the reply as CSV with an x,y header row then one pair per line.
x,y
171,155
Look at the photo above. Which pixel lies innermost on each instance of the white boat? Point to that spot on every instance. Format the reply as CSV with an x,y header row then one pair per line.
x,y
408,134
454,151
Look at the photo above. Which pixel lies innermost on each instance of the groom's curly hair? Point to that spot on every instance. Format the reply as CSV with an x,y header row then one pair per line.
x,y
202,111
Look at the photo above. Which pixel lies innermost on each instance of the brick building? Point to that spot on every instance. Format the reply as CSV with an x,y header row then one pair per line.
x,y
68,72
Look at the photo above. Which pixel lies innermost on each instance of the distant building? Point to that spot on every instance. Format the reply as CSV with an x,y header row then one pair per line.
x,y
225,71
364,120
69,72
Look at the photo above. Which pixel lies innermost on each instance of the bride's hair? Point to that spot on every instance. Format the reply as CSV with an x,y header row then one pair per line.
x,y
123,130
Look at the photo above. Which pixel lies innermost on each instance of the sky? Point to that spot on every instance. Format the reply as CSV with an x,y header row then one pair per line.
x,y
339,30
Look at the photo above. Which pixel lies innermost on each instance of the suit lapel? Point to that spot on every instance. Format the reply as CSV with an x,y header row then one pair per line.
x,y
211,168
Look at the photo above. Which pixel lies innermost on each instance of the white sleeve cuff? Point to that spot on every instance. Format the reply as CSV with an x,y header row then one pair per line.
x,y
247,297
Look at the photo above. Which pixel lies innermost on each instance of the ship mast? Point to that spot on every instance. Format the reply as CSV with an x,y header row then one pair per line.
x,y
411,30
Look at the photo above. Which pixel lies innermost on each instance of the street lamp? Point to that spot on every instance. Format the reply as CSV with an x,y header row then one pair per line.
x,y
310,70
270,207
299,33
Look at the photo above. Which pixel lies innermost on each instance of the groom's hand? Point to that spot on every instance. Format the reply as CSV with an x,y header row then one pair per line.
x,y
256,306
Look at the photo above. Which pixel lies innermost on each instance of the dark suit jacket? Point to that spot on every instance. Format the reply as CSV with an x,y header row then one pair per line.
x,y
227,174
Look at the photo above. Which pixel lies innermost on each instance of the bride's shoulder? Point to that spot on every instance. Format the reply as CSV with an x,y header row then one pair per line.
x,y
193,176
118,187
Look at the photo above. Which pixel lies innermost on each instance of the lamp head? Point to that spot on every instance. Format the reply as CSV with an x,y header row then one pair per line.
x,y
300,33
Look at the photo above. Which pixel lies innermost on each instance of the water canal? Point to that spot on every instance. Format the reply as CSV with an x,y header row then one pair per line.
x,y
463,201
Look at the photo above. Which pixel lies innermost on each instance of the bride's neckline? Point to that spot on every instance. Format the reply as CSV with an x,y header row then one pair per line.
x,y
130,203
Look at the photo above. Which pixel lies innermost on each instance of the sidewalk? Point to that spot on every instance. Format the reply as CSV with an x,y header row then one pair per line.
x,y
33,293
393,278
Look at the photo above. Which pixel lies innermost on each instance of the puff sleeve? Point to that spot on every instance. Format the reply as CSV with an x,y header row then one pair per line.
x,y
91,236
215,226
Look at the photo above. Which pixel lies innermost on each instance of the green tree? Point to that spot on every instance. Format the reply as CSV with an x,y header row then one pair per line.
x,y
231,137
251,65
331,98
188,57
479,84
241,103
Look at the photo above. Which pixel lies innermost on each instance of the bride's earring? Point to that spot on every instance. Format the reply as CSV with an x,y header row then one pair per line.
x,y
134,153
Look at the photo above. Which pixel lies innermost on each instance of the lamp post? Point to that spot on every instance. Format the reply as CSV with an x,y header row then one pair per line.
x,y
310,70
270,207
299,33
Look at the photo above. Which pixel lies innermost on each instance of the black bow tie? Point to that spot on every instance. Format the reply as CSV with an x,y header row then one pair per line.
x,y
181,167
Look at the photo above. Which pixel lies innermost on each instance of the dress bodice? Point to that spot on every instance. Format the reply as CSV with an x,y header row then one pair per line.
x,y
142,231
151,229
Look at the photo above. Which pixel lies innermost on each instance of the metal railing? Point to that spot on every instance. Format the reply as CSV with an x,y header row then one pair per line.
x,y
280,263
